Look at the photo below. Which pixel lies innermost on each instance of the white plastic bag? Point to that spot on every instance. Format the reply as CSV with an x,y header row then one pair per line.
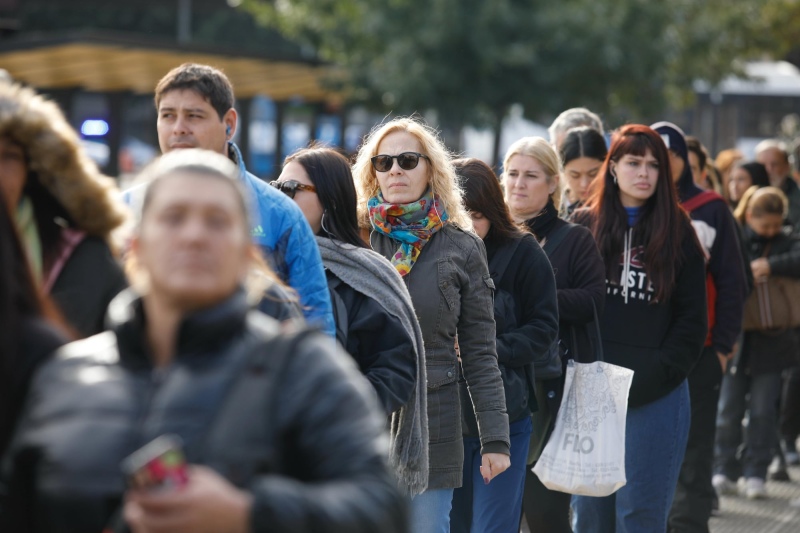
x,y
586,452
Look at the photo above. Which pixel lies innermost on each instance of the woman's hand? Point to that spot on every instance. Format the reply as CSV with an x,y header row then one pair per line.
x,y
208,503
760,268
494,464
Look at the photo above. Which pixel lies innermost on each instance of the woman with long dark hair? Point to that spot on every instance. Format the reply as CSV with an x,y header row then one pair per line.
x,y
654,322
64,209
30,329
526,315
375,319
531,177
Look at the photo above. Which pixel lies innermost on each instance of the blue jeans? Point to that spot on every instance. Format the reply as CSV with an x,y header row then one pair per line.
x,y
496,507
655,441
759,439
430,511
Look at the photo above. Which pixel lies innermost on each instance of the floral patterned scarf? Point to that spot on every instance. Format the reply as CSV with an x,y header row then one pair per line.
x,y
411,224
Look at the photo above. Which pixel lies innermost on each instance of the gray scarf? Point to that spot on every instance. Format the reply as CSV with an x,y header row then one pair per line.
x,y
372,275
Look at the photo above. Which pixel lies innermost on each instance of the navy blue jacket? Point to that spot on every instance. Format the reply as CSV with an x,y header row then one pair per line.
x,y
718,234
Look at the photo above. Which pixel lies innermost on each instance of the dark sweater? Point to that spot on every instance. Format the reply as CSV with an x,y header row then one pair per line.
x,y
580,279
528,333
659,341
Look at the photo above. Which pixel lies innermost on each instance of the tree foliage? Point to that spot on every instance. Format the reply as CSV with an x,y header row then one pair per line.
x,y
470,59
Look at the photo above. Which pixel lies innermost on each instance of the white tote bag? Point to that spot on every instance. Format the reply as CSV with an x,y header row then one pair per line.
x,y
586,452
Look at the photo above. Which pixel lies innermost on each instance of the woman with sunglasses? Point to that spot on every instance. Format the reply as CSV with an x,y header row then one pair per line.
x,y
654,323
280,430
412,200
526,314
375,318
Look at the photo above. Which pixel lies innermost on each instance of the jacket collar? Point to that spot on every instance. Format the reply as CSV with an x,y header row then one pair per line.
x,y
200,332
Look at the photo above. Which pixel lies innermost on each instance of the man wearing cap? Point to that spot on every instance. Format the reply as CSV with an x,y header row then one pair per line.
x,y
727,287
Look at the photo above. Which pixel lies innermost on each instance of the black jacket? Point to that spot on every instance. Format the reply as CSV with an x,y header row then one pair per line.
x,y
718,234
659,341
380,345
286,417
37,341
580,280
777,350
90,279
451,290
526,315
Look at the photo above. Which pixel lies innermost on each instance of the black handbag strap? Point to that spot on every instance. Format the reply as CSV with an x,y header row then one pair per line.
x,y
501,260
556,238
598,352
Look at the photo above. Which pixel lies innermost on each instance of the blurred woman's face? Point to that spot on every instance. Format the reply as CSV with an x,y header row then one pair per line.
x,y
193,244
739,182
579,175
398,185
766,225
306,200
527,186
13,172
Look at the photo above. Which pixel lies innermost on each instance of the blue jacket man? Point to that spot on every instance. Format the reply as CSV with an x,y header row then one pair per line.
x,y
195,106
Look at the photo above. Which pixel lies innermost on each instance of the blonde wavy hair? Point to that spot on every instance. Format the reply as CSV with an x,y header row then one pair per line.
x,y
542,151
441,174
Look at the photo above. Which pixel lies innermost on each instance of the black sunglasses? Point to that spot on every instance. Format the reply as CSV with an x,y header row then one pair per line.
x,y
406,160
290,187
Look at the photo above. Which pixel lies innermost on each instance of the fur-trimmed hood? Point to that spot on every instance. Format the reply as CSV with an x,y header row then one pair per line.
x,y
55,155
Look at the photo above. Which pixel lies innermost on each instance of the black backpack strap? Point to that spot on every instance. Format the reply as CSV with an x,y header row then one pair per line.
x,y
556,238
501,260
340,317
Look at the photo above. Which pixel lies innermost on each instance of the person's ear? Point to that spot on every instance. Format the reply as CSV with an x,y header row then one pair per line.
x,y
554,182
230,120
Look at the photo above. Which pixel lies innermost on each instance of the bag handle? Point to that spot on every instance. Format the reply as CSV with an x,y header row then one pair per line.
x,y
599,348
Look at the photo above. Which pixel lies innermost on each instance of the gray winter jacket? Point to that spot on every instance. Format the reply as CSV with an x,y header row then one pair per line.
x,y
451,290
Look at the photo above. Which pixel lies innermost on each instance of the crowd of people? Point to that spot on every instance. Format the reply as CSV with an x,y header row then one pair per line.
x,y
380,343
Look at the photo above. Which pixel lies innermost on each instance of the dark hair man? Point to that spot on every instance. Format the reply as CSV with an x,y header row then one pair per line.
x,y
195,105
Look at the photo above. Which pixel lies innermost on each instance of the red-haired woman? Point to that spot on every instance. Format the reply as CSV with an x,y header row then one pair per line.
x,y
654,323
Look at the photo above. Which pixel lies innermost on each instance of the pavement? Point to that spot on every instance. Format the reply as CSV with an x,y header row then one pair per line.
x,y
779,513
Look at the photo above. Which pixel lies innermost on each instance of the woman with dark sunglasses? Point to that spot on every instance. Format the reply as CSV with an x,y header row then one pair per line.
x,y
412,200
375,319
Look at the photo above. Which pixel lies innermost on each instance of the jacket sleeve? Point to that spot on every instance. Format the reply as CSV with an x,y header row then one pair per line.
x,y
727,271
476,339
306,274
683,342
787,263
383,350
331,430
535,288
587,280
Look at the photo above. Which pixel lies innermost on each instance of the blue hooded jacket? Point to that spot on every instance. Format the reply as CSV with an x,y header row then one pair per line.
x,y
280,229
282,232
